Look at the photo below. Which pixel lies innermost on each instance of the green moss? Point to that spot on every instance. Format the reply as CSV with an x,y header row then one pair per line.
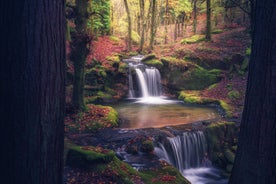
x,y
193,39
229,155
227,108
234,94
135,37
86,157
104,95
122,67
245,64
112,116
147,146
248,51
164,175
114,38
193,98
149,57
217,31
199,78
113,59
155,63
213,86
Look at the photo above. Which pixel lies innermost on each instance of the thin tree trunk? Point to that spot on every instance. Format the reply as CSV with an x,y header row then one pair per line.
x,y
129,26
152,27
195,16
166,22
208,21
143,24
256,155
32,91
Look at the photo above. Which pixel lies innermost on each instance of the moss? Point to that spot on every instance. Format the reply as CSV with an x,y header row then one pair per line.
x,y
164,175
248,51
199,78
234,94
86,157
213,86
154,62
122,67
193,98
245,64
147,146
113,59
227,108
135,37
148,57
193,39
114,39
112,117
229,155
217,31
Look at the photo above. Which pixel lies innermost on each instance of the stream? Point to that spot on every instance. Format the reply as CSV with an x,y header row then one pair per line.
x,y
147,108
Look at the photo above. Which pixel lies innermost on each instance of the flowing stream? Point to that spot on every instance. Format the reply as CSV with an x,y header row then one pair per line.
x,y
148,108
188,153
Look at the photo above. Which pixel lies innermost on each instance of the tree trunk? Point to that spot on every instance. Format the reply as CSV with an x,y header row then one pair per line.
x,y
152,27
256,155
143,24
32,91
195,17
166,21
79,52
129,26
208,21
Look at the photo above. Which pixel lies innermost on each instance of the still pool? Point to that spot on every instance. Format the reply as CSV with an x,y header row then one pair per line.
x,y
141,114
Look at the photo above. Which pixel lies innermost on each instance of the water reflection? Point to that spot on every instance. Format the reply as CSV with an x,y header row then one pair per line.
x,y
139,115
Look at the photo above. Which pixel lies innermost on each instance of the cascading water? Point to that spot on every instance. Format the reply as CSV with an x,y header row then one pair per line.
x,y
148,78
188,154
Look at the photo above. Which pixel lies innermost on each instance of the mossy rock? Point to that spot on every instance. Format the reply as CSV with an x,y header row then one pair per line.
x,y
229,155
123,67
164,175
228,109
86,157
193,39
199,78
193,98
234,95
147,146
154,62
148,57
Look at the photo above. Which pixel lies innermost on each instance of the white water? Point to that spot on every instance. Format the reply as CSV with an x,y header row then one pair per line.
x,y
186,153
149,83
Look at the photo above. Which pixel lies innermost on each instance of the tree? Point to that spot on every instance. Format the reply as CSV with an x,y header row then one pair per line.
x,y
153,24
256,155
194,16
79,51
208,20
32,91
129,26
142,17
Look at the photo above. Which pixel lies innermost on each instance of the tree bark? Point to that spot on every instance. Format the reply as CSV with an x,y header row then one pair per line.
x,y
79,52
195,16
143,24
256,155
32,91
129,26
152,26
208,20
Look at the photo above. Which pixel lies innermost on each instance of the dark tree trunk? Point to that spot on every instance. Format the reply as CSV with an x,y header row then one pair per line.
x,y
195,16
79,52
129,26
208,20
32,91
256,155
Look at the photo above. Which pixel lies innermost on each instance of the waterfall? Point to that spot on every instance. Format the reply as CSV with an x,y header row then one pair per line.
x,y
185,151
148,78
